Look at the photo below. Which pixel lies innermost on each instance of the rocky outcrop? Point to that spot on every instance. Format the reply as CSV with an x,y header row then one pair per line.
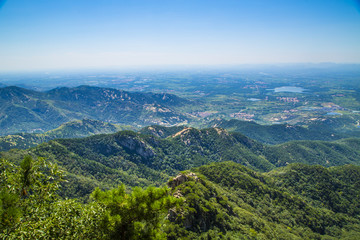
x,y
137,145
181,178
156,132
174,213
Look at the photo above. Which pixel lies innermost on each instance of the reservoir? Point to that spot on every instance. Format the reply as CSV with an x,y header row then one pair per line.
x,y
334,113
289,89
253,99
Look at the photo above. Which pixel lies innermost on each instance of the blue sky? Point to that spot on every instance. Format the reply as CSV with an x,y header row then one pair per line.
x,y
43,34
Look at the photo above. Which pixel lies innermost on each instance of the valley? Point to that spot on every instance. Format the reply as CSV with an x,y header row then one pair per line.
x,y
212,155
180,120
325,96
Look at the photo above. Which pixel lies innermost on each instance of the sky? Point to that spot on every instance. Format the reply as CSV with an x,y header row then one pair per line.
x,y
71,34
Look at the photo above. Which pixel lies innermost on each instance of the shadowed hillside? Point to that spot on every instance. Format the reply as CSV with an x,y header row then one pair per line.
x,y
74,129
23,110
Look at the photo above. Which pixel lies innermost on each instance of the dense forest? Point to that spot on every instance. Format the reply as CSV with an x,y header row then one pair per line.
x,y
218,201
94,180
135,159
325,130
127,185
73,129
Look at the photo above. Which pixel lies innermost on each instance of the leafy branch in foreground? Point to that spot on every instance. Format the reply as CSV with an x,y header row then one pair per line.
x,y
30,207
138,215
26,188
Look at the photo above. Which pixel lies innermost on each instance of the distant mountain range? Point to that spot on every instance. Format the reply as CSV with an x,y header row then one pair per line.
x,y
23,110
269,134
27,111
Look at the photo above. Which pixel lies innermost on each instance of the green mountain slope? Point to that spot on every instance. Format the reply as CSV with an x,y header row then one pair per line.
x,y
23,110
161,131
74,129
280,133
229,201
139,160
218,201
345,151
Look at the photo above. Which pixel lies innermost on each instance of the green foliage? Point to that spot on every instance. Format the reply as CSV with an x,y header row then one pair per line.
x,y
25,191
9,197
335,188
73,129
138,215
31,209
221,201
134,159
230,201
327,154
280,133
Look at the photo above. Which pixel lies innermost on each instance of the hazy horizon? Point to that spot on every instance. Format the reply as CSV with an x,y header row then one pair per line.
x,y
189,67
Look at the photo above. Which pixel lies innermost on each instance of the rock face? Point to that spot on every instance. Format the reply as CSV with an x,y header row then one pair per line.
x,y
181,178
195,215
178,180
137,145
158,133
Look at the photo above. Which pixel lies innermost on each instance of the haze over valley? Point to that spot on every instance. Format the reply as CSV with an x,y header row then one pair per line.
x,y
180,119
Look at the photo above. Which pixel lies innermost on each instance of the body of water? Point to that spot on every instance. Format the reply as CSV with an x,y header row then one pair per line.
x,y
333,113
253,99
289,89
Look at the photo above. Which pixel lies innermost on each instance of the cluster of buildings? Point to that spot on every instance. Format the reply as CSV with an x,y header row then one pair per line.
x,y
288,99
243,116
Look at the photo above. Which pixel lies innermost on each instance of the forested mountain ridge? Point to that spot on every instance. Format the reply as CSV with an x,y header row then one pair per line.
x,y
161,131
218,201
140,160
74,129
43,111
327,130
326,153
335,153
229,201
